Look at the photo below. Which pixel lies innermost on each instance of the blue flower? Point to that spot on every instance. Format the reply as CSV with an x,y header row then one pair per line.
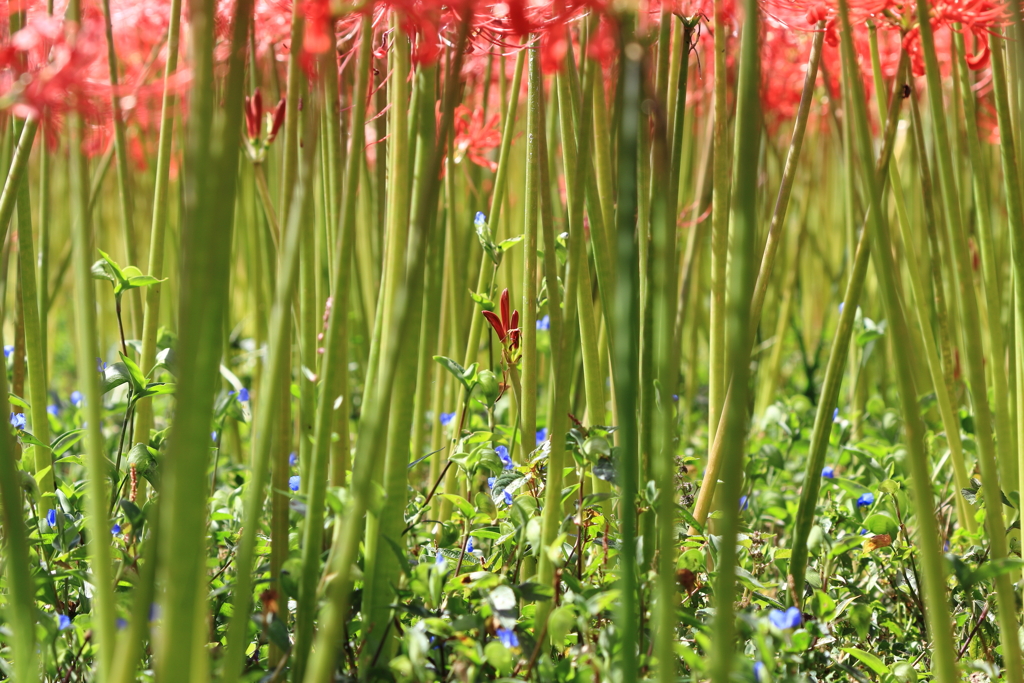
x,y
744,502
490,482
544,324
506,459
76,398
446,419
759,672
293,459
121,624
213,435
508,498
675,398
51,518
469,545
63,622
542,435
841,308
508,638
8,350
835,415
865,500
440,561
116,529
864,532
829,472
243,395
18,420
100,365
480,219
53,409
791,618
293,482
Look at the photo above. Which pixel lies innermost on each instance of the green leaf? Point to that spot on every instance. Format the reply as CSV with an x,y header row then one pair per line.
x,y
135,374
16,400
882,523
143,281
114,375
146,462
995,568
461,503
505,245
157,389
457,370
65,441
30,440
868,659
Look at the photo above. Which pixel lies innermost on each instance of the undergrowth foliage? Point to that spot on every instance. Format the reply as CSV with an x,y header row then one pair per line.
x,y
574,341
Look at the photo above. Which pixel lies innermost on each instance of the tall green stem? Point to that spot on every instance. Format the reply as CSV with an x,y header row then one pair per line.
x,y
158,230
212,149
932,562
335,363
748,129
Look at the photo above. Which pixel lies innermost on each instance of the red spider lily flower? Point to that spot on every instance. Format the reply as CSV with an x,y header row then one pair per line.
x,y
507,326
473,137
253,114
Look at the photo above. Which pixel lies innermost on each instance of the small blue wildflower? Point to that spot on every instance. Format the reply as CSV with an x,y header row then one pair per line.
x,y
121,624
544,324
293,482
508,498
63,622
863,532
835,415
293,459
243,395
760,672
8,350
100,365
506,459
542,435
841,307
744,502
76,398
675,398
440,561
446,419
829,472
51,518
791,618
53,409
213,435
469,545
490,482
945,548
480,219
865,500
508,638
18,420
116,529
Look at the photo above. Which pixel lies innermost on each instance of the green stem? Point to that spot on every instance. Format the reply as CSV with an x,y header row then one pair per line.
x,y
158,230
34,349
932,562
336,612
212,149
748,129
21,610
121,152
624,350
838,355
